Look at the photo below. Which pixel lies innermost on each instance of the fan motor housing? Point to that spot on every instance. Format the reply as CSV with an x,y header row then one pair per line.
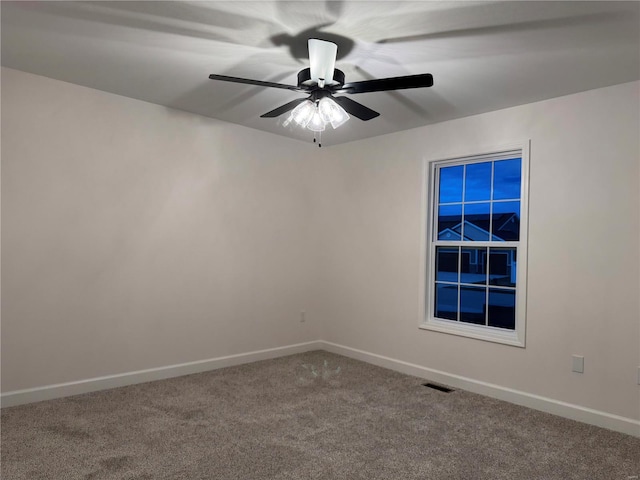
x,y
305,75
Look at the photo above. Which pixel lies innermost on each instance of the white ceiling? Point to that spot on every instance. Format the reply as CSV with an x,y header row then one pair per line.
x,y
483,55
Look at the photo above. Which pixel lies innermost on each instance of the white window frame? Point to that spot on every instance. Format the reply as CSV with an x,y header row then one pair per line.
x,y
482,332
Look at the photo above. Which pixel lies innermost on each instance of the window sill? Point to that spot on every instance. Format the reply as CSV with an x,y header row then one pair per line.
x,y
488,334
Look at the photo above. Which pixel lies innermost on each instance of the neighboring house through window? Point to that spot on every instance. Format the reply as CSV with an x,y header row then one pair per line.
x,y
476,246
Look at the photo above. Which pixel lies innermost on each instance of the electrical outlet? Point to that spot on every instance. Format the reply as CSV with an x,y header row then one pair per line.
x,y
578,364
303,316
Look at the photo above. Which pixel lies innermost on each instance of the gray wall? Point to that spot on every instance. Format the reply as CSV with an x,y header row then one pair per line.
x,y
584,246
135,236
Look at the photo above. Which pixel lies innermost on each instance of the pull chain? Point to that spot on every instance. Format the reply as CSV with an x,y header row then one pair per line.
x,y
317,138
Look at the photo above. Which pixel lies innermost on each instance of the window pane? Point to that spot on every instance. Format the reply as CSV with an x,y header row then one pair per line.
x,y
476,222
446,301
472,304
449,222
447,264
450,184
506,179
473,267
506,221
502,308
477,182
502,267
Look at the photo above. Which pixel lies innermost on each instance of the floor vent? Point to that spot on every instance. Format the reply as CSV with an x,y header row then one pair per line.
x,y
435,386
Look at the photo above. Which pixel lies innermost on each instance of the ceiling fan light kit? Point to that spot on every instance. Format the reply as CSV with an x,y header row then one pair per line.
x,y
321,81
315,116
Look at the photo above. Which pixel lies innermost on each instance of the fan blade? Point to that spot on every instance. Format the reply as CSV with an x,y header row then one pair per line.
x,y
259,83
322,59
276,112
384,84
356,109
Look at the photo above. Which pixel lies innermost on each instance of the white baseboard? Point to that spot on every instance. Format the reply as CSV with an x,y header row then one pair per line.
x,y
49,392
625,425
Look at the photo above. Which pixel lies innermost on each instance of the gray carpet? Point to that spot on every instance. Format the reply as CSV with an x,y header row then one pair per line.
x,y
310,416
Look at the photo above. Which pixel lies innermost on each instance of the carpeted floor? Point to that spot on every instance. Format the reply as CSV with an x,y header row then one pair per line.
x,y
310,416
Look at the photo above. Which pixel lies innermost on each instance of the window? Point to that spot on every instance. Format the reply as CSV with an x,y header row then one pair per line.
x,y
476,246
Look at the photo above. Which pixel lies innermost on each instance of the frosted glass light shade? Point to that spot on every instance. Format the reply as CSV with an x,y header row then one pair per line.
x,y
331,112
303,113
317,124
322,59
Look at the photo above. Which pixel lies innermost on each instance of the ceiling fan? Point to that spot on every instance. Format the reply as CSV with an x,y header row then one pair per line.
x,y
321,81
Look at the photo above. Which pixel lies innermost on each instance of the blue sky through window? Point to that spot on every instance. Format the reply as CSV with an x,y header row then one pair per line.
x,y
480,201
451,184
477,182
507,177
